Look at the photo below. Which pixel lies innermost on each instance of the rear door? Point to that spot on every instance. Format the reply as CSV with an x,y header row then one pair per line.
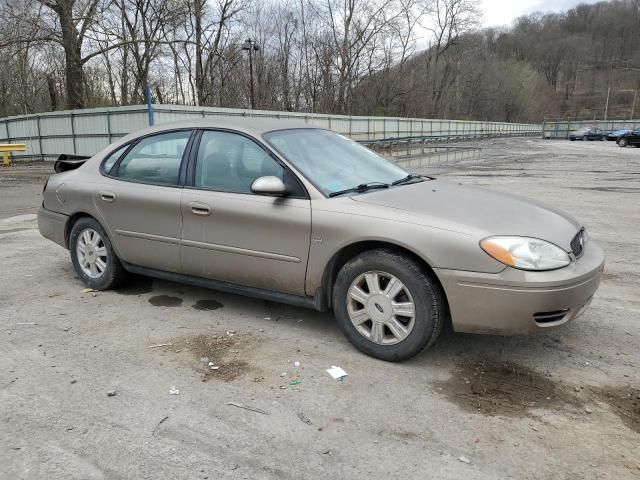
x,y
139,200
233,235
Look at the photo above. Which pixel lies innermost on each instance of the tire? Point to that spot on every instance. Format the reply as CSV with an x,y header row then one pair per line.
x,y
623,142
102,269
412,334
572,139
585,138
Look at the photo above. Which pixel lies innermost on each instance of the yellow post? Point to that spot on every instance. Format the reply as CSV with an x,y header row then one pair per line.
x,y
5,148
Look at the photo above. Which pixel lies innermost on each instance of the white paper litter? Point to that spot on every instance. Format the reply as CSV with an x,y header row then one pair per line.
x,y
336,372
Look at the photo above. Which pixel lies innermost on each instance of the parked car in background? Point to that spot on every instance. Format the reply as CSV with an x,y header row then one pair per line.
x,y
614,135
300,215
587,133
629,138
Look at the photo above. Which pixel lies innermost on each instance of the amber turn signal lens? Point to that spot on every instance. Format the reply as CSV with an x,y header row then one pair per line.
x,y
499,253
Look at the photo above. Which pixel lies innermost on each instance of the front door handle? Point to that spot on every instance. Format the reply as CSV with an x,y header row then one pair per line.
x,y
108,196
198,208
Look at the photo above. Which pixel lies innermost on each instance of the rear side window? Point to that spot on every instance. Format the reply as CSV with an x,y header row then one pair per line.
x,y
155,159
113,158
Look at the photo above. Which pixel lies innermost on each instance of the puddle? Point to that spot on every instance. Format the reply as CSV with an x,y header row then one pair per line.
x,y
222,350
165,301
136,285
207,305
510,390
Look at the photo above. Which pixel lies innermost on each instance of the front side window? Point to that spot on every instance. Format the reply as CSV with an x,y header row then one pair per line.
x,y
229,162
332,162
155,159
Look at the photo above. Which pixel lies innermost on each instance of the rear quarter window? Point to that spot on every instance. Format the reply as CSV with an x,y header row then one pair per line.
x,y
112,158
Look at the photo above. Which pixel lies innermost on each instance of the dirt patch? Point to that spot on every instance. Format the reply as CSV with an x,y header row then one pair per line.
x,y
504,389
401,435
222,351
136,285
15,230
207,304
624,402
620,277
510,390
612,189
165,301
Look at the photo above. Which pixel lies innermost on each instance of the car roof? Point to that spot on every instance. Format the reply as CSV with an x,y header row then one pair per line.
x,y
253,126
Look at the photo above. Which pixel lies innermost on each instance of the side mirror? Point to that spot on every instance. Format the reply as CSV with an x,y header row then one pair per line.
x,y
269,186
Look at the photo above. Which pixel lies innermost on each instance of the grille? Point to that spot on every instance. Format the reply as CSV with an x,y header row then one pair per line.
x,y
577,244
549,317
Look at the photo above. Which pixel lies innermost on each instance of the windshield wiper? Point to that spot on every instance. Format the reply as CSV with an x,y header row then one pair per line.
x,y
408,178
363,187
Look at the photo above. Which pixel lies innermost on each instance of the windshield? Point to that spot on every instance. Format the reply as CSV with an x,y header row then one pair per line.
x,y
332,162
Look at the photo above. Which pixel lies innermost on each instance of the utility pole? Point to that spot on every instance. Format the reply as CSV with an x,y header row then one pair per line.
x,y
633,106
251,46
606,108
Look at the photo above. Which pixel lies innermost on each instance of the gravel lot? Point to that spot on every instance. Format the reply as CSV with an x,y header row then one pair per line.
x,y
564,405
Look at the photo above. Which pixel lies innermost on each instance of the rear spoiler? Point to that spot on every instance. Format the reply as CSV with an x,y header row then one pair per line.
x,y
66,162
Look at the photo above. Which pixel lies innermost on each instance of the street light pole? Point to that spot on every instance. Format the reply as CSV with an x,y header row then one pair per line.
x,y
251,46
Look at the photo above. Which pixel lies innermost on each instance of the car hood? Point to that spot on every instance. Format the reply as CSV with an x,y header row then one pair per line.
x,y
476,211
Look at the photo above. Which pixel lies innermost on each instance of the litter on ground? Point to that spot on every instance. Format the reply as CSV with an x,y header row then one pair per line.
x,y
337,372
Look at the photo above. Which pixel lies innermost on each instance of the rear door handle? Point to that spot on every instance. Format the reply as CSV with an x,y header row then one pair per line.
x,y
198,208
108,196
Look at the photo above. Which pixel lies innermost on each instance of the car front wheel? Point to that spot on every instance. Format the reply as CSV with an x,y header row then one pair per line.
x,y
388,305
622,142
93,257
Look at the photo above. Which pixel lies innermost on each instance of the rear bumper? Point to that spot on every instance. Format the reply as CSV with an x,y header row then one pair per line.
x,y
515,302
52,225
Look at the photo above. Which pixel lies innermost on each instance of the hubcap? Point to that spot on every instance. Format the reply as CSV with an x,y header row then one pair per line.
x,y
92,253
381,308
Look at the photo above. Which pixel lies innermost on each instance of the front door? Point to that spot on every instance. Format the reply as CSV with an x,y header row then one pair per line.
x,y
234,235
139,200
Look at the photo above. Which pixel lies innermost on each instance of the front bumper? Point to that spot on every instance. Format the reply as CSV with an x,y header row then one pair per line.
x,y
53,225
516,301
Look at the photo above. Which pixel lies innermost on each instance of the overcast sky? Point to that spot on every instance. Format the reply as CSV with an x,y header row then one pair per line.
x,y
502,12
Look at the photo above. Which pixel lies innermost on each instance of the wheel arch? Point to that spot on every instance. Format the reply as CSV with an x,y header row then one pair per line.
x,y
348,252
71,221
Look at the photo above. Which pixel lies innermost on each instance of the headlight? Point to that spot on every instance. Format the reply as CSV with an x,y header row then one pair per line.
x,y
525,253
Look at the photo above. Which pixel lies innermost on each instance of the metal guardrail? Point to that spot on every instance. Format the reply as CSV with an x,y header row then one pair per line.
x,y
86,132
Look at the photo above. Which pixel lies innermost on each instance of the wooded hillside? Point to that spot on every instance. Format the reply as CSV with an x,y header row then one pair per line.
x,y
545,66
365,57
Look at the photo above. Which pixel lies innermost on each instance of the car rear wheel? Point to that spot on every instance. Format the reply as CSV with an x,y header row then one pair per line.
x,y
623,142
387,305
93,257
